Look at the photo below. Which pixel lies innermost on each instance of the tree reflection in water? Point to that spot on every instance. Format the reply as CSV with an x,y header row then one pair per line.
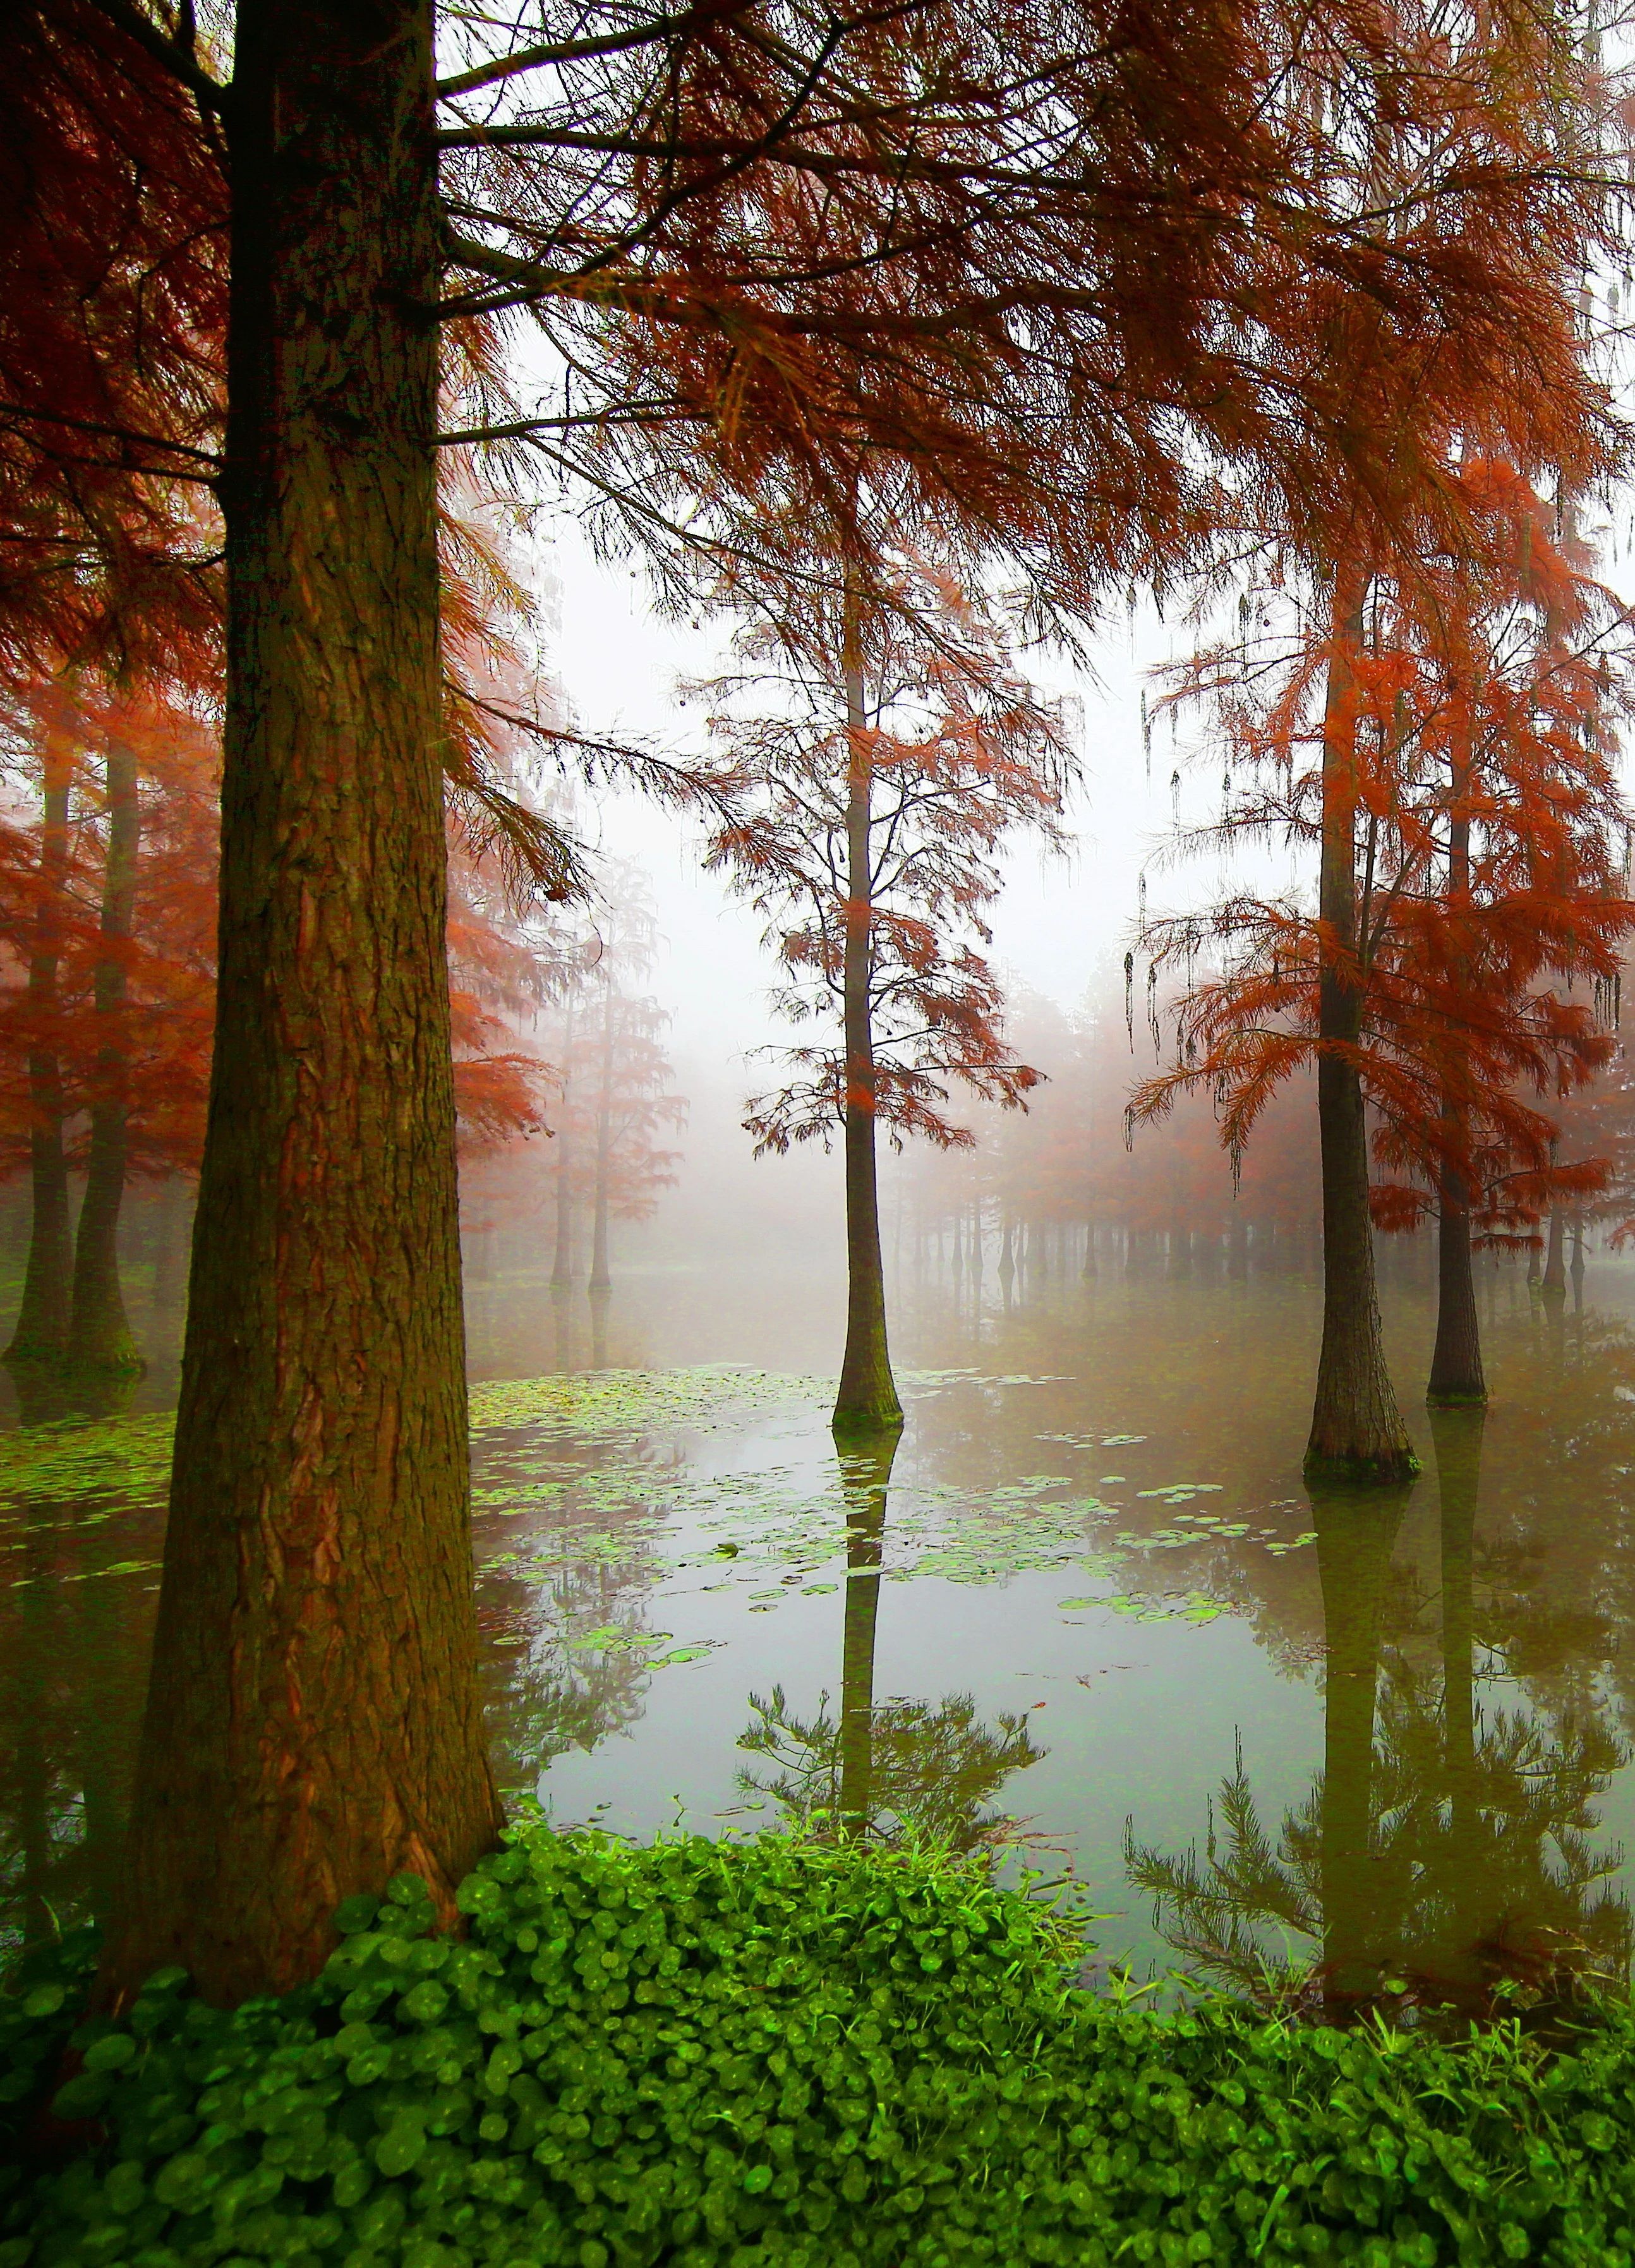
x,y
897,1769
1444,1854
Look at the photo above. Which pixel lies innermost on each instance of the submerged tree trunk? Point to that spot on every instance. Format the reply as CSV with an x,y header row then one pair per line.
x,y
313,1725
41,1333
867,1399
100,1334
1357,1428
866,1475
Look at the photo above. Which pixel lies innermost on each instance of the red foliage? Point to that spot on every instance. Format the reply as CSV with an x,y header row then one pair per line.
x,y
1486,693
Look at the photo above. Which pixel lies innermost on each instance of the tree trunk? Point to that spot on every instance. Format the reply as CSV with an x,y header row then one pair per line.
x,y
313,1725
561,1261
1357,1428
1456,1375
601,1280
100,1334
1456,1362
866,1476
41,1333
867,1400
1555,1283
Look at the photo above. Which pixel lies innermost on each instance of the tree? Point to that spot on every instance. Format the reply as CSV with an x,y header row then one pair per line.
x,y
872,799
670,181
1471,713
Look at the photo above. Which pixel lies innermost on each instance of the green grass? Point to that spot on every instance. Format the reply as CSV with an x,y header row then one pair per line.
x,y
780,2055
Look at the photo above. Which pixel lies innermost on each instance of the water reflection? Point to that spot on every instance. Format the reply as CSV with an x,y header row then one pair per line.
x,y
1446,1850
890,1771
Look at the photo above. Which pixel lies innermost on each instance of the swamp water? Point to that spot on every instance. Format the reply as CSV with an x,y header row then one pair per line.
x,y
1088,1614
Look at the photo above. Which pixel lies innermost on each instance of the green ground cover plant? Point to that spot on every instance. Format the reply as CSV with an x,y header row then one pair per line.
x,y
780,2054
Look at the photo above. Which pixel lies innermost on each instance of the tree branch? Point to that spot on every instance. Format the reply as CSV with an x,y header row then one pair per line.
x,y
209,92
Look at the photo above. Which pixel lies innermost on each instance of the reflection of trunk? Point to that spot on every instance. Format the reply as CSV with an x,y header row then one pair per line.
x,y
313,1725
99,1336
599,1279
1355,1533
866,1476
33,1730
41,1333
1458,1437
600,1300
1356,1426
1577,1269
1007,1265
1456,1364
867,1398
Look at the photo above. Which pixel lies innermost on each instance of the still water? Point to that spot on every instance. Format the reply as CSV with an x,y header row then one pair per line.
x,y
1088,1616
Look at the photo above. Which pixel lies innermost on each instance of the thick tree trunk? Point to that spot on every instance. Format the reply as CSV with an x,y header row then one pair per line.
x,y
867,1400
1357,1428
42,1332
100,1334
313,1725
866,1476
1356,1531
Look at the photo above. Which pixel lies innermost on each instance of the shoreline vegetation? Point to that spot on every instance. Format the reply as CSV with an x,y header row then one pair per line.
x,y
778,2053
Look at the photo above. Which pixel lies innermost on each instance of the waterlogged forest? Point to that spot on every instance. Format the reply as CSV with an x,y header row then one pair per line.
x,y
817,1155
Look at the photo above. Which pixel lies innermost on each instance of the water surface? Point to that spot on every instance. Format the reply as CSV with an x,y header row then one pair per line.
x,y
1089,1615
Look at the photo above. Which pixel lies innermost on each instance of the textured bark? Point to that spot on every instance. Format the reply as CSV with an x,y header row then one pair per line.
x,y
314,1724
866,1476
1356,1530
867,1400
99,1336
42,1332
1357,1428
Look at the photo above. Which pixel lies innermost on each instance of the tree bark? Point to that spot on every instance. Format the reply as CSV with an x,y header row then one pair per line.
x,y
867,1399
99,1334
1356,1429
42,1332
313,1725
1456,1373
